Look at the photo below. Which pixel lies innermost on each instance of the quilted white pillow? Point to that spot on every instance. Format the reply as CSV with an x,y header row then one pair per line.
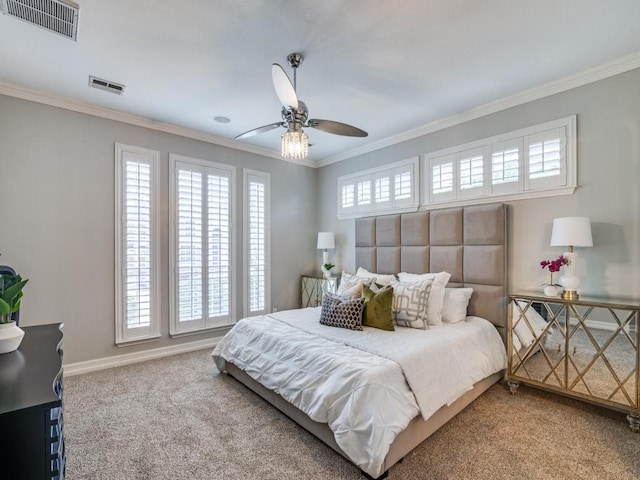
x,y
456,301
436,297
410,300
379,278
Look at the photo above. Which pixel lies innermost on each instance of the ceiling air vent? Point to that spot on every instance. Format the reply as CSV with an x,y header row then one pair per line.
x,y
57,16
106,85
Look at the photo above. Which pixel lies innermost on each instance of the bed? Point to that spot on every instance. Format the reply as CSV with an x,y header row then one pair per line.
x,y
467,242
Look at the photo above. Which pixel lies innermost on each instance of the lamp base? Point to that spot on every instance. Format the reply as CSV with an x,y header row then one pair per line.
x,y
570,295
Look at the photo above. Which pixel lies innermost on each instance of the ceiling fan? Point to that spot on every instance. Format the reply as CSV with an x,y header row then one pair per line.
x,y
295,115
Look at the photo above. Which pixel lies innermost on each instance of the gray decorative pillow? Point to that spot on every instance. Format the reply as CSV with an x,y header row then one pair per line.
x,y
410,303
342,312
352,285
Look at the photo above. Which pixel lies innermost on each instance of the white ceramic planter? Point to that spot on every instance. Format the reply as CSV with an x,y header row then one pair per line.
x,y
551,291
10,337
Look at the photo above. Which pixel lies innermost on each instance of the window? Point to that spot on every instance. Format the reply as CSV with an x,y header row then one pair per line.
x,y
442,177
403,185
532,162
388,189
256,243
348,197
506,166
200,244
473,180
137,244
364,192
545,164
383,190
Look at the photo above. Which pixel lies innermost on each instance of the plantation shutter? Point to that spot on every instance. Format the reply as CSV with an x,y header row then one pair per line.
x,y
137,249
443,178
472,173
189,244
506,166
256,242
218,243
404,191
546,159
201,252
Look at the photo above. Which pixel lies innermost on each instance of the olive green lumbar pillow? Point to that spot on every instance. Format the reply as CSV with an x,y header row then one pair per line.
x,y
378,308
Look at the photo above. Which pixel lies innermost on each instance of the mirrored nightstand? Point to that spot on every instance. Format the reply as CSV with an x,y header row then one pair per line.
x,y
587,349
314,288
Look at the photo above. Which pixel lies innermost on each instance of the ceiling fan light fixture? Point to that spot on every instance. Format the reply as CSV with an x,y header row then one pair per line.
x,y
295,143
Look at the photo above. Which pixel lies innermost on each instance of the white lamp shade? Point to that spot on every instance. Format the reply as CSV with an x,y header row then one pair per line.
x,y
326,241
571,231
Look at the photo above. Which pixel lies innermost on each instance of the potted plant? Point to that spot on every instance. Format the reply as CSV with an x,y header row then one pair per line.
x,y
326,269
551,289
10,297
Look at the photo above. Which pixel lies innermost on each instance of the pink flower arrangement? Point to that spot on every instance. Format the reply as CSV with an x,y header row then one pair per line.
x,y
554,266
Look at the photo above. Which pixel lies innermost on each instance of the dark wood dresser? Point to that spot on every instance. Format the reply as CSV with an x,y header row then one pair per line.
x,y
31,420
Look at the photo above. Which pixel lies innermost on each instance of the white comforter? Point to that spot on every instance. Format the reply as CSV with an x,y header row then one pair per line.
x,y
367,385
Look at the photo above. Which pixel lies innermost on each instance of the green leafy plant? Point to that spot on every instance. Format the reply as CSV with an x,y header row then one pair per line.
x,y
328,266
10,295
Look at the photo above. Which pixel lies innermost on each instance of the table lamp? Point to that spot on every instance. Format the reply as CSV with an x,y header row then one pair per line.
x,y
325,242
571,232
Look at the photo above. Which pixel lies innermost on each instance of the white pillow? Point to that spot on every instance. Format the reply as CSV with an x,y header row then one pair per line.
x,y
537,323
380,279
436,297
455,304
410,300
351,285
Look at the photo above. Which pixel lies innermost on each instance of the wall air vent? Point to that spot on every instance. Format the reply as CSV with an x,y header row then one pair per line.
x,y
57,16
106,85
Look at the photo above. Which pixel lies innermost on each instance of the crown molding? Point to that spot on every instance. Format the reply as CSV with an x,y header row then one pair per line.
x,y
139,121
610,69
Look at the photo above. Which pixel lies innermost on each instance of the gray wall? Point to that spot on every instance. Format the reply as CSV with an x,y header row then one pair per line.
x,y
57,206
57,219
608,177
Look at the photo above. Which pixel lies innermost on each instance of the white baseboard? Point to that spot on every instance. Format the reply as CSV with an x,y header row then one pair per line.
x,y
128,358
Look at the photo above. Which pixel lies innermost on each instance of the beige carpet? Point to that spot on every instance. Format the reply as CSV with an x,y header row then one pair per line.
x,y
177,418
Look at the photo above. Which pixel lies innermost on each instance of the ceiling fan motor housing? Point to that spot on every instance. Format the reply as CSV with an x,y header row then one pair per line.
x,y
295,59
298,115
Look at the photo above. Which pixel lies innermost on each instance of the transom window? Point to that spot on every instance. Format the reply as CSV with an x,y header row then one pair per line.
x,y
532,162
387,189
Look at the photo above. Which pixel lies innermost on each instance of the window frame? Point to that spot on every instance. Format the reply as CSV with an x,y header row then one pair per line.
x,y
371,176
524,187
123,334
199,325
266,180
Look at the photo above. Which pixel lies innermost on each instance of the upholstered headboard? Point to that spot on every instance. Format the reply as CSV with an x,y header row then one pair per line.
x,y
468,242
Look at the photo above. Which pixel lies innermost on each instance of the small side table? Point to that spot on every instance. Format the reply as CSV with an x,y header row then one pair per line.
x,y
587,348
314,288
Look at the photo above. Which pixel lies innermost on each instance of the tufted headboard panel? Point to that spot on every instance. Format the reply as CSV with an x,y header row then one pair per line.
x,y
468,242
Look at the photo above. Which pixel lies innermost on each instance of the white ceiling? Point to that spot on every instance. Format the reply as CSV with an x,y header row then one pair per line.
x,y
387,67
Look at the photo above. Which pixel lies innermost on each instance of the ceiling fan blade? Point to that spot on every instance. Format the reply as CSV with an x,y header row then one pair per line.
x,y
337,128
259,130
284,88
